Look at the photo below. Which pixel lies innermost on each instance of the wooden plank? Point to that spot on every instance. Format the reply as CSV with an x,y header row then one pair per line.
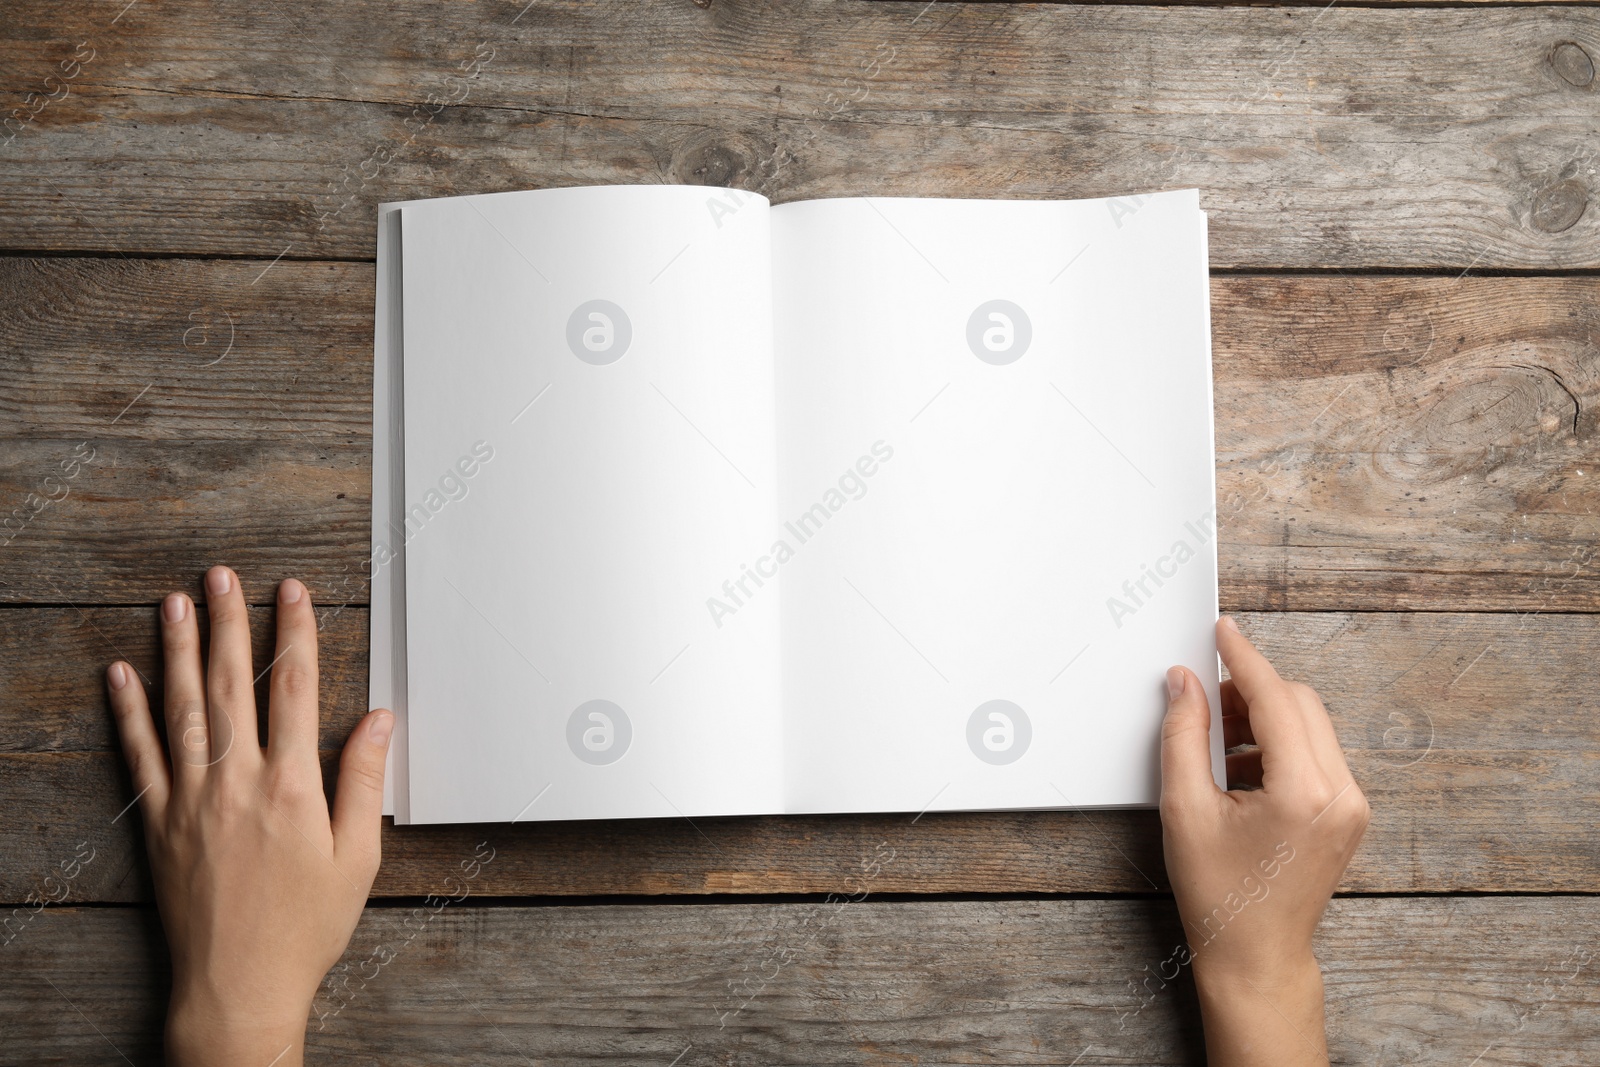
x,y
1323,137
1474,736
1439,980
1421,444
1383,442
161,349
141,518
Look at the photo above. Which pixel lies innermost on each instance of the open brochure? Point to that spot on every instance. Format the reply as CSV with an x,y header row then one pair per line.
x,y
685,504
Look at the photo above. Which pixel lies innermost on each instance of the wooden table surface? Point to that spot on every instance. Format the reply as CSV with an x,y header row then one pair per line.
x,y
1406,288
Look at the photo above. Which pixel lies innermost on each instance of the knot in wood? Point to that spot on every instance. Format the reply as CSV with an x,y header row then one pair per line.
x,y
1572,63
708,159
1477,419
1558,207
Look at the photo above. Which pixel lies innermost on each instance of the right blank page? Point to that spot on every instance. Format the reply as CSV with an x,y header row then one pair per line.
x,y
996,474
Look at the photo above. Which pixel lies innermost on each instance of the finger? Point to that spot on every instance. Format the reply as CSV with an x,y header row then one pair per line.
x,y
1186,742
1252,676
1236,731
292,709
188,737
358,798
141,746
1244,769
1319,728
1232,702
1323,742
1276,720
230,686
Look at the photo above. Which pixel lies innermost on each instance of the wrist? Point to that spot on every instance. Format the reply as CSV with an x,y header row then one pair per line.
x,y
1263,1012
1287,970
203,1030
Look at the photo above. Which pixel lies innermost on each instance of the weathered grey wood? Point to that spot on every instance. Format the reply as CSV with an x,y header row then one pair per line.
x,y
1383,442
160,349
1322,136
1418,980
144,517
1472,734
1414,444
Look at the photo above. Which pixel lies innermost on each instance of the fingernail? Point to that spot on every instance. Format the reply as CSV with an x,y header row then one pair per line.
x,y
117,675
382,723
289,591
1175,683
175,607
217,581
1227,620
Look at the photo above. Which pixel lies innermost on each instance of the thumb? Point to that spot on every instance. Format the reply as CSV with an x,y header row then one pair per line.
x,y
358,799
1186,742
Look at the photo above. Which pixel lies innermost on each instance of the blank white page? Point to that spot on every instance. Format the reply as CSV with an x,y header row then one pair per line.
x,y
588,413
980,622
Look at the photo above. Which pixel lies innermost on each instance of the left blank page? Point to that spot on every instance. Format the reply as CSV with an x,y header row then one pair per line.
x,y
590,453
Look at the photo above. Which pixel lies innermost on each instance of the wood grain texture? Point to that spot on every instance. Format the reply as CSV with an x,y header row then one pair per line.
x,y
1383,442
1408,444
1322,137
185,350
1418,980
1474,736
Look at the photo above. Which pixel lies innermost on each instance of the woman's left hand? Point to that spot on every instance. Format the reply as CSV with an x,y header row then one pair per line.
x,y
260,886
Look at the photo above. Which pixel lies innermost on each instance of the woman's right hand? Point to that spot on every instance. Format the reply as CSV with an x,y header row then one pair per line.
x,y
1253,868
